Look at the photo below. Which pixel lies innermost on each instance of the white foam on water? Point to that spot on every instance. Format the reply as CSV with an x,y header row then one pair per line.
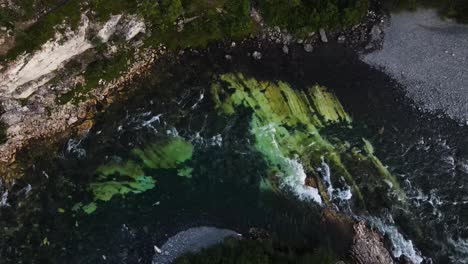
x,y
463,165
401,246
202,96
343,195
295,180
172,132
293,175
74,148
149,123
216,140
4,199
460,246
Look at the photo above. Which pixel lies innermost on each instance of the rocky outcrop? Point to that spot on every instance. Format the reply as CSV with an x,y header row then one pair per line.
x,y
191,240
30,103
368,246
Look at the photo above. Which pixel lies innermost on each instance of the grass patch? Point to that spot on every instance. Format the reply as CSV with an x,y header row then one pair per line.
x,y
210,21
104,9
44,29
105,69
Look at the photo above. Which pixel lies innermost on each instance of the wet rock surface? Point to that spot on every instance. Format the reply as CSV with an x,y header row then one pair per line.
x,y
368,246
191,240
430,57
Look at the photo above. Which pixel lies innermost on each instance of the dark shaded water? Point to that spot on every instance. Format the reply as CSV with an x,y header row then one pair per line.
x,y
428,153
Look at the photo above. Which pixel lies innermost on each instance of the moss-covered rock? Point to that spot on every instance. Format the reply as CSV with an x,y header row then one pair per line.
x,y
288,127
129,177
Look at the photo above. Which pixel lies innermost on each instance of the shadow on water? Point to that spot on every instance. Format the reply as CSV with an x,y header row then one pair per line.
x,y
224,188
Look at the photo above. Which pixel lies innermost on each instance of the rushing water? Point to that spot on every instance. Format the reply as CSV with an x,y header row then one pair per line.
x,y
222,183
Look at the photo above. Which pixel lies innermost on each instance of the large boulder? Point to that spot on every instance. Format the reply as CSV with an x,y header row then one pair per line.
x,y
191,240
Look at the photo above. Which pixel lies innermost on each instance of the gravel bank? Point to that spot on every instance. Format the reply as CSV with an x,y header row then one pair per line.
x,y
191,240
430,57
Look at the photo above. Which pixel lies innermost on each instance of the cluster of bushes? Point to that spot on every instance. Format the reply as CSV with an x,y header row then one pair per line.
x,y
33,37
303,16
235,251
212,19
456,9
176,23
209,21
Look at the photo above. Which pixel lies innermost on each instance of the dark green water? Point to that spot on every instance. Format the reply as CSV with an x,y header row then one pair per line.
x,y
427,154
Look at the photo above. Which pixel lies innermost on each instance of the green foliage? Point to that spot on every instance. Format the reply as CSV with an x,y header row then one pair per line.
x,y
44,29
7,17
302,16
456,9
128,177
246,251
106,8
206,22
103,68
290,130
165,156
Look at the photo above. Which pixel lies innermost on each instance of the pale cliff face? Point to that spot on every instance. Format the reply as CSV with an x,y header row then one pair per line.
x,y
27,79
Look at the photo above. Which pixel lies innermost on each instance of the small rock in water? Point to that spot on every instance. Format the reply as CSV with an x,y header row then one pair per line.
x,y
323,35
341,39
72,120
257,55
375,33
285,49
157,250
308,47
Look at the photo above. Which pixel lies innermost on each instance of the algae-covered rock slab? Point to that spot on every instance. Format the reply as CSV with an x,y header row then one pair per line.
x,y
130,176
288,125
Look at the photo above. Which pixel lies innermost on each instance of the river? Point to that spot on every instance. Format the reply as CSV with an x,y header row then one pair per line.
x,y
167,158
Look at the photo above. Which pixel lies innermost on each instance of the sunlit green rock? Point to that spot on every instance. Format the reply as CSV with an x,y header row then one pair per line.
x,y
90,208
287,125
129,177
185,172
165,156
381,168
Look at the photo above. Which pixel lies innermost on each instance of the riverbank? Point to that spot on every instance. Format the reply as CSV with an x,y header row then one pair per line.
x,y
41,104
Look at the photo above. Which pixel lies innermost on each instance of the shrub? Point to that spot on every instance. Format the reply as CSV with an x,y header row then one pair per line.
x,y
303,16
